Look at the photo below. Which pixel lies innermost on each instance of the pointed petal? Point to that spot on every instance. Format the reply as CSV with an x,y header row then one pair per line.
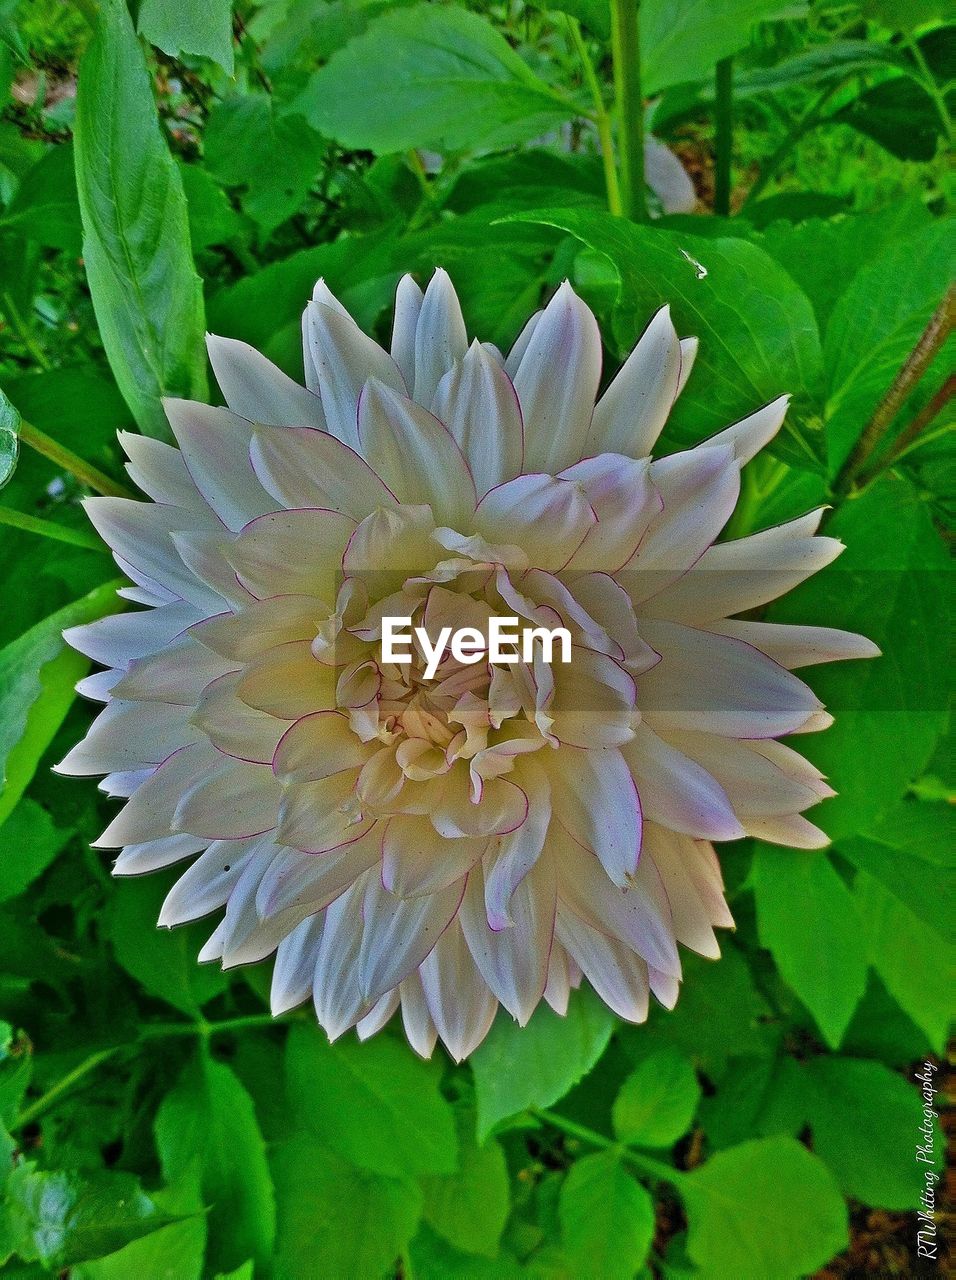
x,y
459,1001
477,402
344,358
795,646
595,799
676,791
631,414
255,388
303,468
440,337
408,306
750,434
547,518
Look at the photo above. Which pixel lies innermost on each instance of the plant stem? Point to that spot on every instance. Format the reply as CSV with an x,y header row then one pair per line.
x,y
723,136
56,1091
809,120
914,366
912,436
602,119
644,1164
47,529
625,45
63,457
22,330
162,1030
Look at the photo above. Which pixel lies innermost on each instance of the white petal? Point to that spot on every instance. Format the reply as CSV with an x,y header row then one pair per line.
x,y
624,500
512,856
318,816
149,813
676,791
255,388
207,884
129,735
521,345
750,434
160,471
615,972
477,402
119,639
339,1000
232,800
303,468
688,354
299,884
294,970
344,359
673,855
400,932
416,455
416,860
292,553
378,1015
759,777
557,381
547,518
631,414
789,829
318,746
440,337
232,726
417,1021
594,797
459,1001
408,306
795,646
154,855
215,447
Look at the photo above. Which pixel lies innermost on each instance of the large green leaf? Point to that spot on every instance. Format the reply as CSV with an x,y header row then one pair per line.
x,y
334,1219
807,919
45,208
657,1101
758,336
766,1208
469,1208
63,1217
146,294
430,76
204,30
376,1104
607,1219
163,961
684,39
29,842
890,584
38,675
173,1252
520,1067
209,1119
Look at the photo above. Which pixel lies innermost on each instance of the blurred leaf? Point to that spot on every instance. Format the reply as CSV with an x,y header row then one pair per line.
x,y
16,1072
469,1208
607,1219
375,1104
203,30
824,960
163,961
37,678
451,83
45,208
657,1101
209,1117
60,1218
29,841
889,584
898,114
9,439
913,961
276,158
520,1067
145,291
758,336
741,1208
684,39
334,1219
875,325
212,219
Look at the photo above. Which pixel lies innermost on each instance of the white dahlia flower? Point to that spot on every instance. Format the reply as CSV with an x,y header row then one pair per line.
x,y
497,832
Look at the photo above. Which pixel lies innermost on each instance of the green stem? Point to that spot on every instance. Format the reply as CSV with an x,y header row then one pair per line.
x,y
47,529
63,457
625,46
23,332
723,136
602,119
56,1091
912,437
913,369
162,1030
644,1164
809,120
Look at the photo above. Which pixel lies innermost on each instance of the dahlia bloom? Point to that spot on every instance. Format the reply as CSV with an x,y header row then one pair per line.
x,y
501,831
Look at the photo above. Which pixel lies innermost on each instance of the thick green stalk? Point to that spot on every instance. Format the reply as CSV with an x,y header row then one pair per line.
x,y
63,457
47,529
601,118
723,134
625,45
642,1163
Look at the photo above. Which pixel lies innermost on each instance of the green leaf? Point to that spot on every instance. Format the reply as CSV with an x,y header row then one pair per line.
x,y
765,1208
758,336
64,1217
807,919
469,1208
29,841
174,1252
520,1067
276,158
38,674
890,585
9,439
45,207
146,294
212,219
203,30
16,1072
607,1219
657,1101
375,1104
898,114
875,325
683,40
163,961
909,852
209,1117
865,1121
913,961
334,1219
430,76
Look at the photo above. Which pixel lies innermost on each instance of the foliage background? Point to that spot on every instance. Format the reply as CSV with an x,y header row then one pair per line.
x,y
177,166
